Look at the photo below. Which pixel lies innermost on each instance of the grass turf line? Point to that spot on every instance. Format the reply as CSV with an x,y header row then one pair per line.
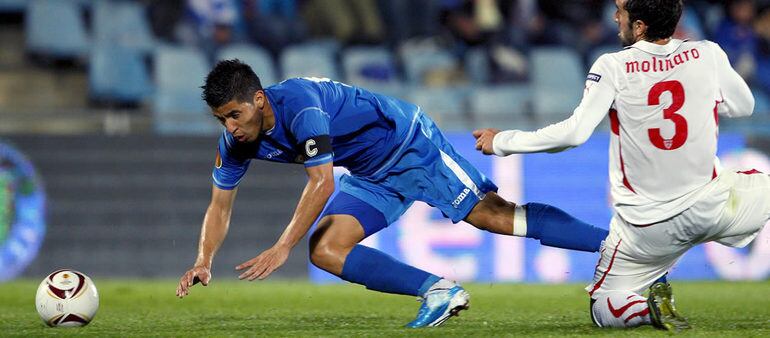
x,y
288,308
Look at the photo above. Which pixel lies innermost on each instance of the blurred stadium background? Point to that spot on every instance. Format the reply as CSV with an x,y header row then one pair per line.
x,y
106,148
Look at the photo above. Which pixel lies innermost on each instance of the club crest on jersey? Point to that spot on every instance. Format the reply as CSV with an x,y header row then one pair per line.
x,y
218,160
594,77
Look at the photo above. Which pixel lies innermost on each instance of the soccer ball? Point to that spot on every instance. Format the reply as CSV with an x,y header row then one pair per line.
x,y
67,298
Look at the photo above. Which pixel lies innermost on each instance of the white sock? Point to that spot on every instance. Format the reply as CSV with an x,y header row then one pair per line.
x,y
442,283
620,309
520,221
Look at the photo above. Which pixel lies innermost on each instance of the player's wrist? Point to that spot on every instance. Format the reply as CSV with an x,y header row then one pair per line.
x,y
283,244
499,140
203,263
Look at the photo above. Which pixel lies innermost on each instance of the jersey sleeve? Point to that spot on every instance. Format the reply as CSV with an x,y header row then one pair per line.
x,y
229,165
598,95
310,127
307,121
736,98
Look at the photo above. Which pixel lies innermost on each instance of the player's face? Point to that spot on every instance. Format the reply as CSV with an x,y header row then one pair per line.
x,y
625,31
243,119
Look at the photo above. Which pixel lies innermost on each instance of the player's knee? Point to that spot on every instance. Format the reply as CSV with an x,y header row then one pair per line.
x,y
619,309
318,247
322,254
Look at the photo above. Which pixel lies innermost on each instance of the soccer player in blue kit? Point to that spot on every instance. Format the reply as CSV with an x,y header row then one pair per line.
x,y
395,155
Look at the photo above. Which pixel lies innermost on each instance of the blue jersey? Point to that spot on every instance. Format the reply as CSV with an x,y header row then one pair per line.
x,y
367,131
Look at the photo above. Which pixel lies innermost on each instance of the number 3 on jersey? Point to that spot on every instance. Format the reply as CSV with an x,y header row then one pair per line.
x,y
680,123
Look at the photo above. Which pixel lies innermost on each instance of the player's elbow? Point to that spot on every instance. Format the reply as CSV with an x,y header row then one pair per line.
x,y
576,139
749,109
740,104
741,108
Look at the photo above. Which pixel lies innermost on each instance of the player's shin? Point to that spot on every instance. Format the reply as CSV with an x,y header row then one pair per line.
x,y
554,227
380,272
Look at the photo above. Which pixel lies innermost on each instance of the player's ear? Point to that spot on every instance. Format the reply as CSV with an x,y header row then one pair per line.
x,y
640,28
259,99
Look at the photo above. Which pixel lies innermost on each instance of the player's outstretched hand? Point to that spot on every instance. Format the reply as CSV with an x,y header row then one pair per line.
x,y
484,139
197,274
264,264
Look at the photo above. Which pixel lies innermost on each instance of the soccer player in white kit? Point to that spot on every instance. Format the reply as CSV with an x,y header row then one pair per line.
x,y
663,97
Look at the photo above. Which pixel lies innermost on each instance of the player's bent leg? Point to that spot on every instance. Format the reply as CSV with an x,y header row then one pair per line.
x,y
619,309
625,271
550,225
436,174
749,207
372,268
332,241
333,248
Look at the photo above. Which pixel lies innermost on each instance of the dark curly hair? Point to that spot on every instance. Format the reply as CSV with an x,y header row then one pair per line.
x,y
230,80
660,16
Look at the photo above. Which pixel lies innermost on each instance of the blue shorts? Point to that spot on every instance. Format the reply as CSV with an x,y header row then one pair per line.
x,y
428,170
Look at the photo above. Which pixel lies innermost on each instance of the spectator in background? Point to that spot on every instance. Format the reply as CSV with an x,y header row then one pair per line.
x,y
483,24
574,23
349,21
763,61
164,18
273,24
406,19
208,24
708,12
737,37
471,22
689,27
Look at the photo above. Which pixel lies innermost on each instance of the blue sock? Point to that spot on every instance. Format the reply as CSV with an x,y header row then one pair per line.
x,y
554,227
380,272
432,279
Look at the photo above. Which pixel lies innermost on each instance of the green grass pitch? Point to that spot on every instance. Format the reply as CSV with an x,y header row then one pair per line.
x,y
286,308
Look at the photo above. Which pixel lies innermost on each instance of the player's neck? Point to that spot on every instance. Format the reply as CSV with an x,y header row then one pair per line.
x,y
657,42
268,119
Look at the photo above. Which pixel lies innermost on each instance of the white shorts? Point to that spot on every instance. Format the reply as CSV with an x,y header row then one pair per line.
x,y
732,212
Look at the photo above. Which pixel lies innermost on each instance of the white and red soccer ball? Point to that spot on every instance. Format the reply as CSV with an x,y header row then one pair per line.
x,y
67,298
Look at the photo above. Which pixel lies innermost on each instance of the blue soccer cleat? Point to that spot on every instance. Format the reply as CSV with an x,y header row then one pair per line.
x,y
439,304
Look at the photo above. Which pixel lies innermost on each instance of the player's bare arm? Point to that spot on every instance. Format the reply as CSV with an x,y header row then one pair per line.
x,y
318,189
213,232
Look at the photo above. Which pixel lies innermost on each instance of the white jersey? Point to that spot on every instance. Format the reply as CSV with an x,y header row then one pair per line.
x,y
663,102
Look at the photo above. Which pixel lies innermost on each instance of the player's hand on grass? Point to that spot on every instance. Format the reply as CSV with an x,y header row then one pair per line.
x,y
197,274
263,265
484,138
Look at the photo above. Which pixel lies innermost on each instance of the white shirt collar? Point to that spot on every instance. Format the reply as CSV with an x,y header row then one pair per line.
x,y
657,49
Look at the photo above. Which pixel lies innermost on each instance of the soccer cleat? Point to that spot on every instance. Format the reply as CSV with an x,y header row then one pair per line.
x,y
439,304
663,313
